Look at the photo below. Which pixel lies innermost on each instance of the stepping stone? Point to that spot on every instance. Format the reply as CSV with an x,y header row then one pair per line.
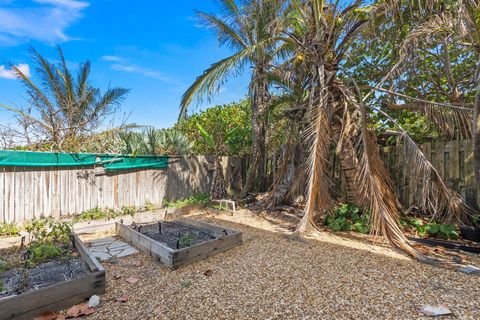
x,y
108,248
127,252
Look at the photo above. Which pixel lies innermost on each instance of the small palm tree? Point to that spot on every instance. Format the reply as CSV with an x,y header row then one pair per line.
x,y
153,141
63,108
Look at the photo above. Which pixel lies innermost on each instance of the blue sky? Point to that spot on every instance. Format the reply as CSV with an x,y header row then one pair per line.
x,y
154,48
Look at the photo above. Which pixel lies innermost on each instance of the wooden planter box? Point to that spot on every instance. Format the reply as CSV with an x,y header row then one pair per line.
x,y
58,296
174,258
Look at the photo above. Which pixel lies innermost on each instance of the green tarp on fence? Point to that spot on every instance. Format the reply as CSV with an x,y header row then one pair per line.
x,y
53,159
120,162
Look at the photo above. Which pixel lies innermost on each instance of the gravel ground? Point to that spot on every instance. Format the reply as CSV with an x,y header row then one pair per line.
x,y
270,277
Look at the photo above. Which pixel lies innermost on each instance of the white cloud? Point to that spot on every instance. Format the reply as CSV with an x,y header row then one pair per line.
x,y
10,74
71,4
46,21
143,71
112,58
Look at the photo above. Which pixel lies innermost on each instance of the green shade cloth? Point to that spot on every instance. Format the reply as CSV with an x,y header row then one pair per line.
x,y
120,162
45,159
53,159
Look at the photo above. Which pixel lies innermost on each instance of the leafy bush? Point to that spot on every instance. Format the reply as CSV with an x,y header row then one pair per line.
x,y
201,198
348,218
49,231
8,229
43,252
221,130
149,206
128,210
95,214
433,229
3,265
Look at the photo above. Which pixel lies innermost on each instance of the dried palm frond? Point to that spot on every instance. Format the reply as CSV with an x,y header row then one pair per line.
x,y
376,189
437,198
454,123
284,176
298,185
319,199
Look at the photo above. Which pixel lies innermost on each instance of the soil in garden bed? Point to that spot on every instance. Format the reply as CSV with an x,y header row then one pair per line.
x,y
42,275
174,233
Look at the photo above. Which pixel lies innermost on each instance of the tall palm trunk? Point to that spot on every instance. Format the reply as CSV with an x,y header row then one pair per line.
x,y
476,128
259,105
349,164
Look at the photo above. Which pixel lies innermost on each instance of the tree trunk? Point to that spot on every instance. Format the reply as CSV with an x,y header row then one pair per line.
x,y
259,102
476,128
218,189
349,164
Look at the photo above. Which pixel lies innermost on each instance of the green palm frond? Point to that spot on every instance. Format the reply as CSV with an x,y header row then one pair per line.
x,y
64,107
226,34
212,78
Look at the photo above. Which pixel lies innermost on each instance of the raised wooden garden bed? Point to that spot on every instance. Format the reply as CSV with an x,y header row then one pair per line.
x,y
180,241
59,295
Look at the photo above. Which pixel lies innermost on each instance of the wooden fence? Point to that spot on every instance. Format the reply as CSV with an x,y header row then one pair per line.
x,y
452,159
27,192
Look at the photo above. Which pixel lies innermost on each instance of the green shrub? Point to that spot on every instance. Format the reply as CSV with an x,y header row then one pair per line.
x,y
149,206
3,265
433,229
128,210
43,252
49,231
348,218
202,198
186,240
8,229
94,214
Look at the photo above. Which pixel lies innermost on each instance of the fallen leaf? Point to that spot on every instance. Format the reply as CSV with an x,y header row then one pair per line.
x,y
89,311
208,273
80,310
132,280
74,311
138,263
47,315
123,298
117,276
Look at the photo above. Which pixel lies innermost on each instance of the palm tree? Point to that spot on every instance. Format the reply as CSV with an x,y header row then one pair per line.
x,y
64,108
320,34
250,30
151,141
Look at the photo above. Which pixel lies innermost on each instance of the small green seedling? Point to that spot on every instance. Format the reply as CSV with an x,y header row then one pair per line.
x,y
185,240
